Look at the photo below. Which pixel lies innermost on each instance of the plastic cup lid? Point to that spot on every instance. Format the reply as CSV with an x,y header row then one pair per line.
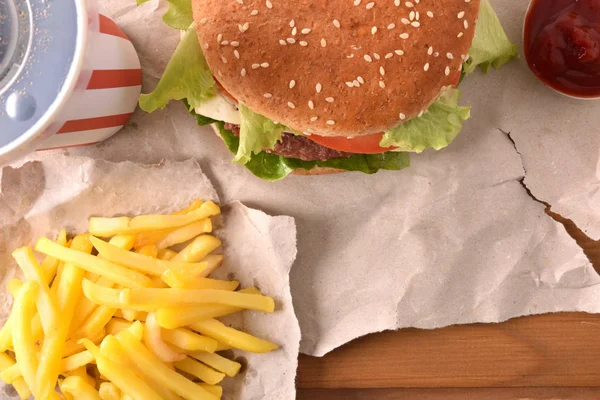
x,y
38,44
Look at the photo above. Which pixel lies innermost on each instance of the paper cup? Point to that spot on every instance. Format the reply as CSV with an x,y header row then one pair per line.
x,y
69,76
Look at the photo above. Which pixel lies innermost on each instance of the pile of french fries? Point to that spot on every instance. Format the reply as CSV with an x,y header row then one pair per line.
x,y
116,313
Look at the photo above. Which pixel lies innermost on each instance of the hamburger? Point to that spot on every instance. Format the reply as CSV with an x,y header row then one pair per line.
x,y
322,86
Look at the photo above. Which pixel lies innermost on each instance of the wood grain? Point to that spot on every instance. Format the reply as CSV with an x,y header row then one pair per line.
x,y
540,357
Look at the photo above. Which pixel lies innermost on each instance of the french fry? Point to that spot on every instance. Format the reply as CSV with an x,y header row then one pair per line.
x,y
196,204
124,242
11,374
105,227
150,299
73,346
232,337
112,349
182,338
87,306
150,238
185,233
158,283
139,262
123,378
214,389
150,250
166,254
79,388
46,301
222,347
199,370
75,361
50,264
23,341
108,391
197,282
95,322
68,294
82,373
13,286
154,342
116,273
159,372
217,362
19,384
171,318
198,249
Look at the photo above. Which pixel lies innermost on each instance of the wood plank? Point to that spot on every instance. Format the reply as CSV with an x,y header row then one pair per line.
x,y
547,350
551,393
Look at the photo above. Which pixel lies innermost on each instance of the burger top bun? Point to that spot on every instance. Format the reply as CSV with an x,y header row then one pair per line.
x,y
336,67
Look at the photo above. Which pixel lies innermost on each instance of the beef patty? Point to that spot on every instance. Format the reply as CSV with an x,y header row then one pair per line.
x,y
297,146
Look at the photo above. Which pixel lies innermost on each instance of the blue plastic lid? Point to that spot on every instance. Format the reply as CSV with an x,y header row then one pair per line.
x,y
39,40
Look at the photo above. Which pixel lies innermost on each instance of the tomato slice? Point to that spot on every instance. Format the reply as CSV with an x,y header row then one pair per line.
x,y
360,145
225,93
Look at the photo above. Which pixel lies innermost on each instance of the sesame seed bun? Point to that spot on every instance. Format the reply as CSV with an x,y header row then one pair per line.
x,y
313,171
336,67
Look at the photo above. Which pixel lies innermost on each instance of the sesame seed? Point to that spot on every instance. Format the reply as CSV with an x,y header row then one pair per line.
x,y
357,2
331,122
411,15
336,23
306,31
402,116
462,57
466,24
429,14
292,23
397,3
243,72
254,12
219,37
236,54
350,56
294,31
409,4
246,26
313,119
235,43
323,42
255,66
303,43
240,1
291,40
416,24
225,43
269,4
382,84
461,15
389,55
361,80
376,55
421,113
417,16
268,95
430,50
404,36
220,73
203,20
311,105
436,54
399,52
224,60
426,67
460,35
370,5
368,58
349,84
206,46
447,71
319,87
292,84
391,26
405,21
291,105
381,71
373,30
282,42
450,56
265,65
330,100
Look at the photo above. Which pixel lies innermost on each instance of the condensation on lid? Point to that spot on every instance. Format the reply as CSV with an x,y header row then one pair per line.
x,y
38,40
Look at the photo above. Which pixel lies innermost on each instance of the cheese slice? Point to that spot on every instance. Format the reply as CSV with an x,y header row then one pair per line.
x,y
219,108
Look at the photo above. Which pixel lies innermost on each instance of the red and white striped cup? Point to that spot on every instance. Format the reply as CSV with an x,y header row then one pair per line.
x,y
77,83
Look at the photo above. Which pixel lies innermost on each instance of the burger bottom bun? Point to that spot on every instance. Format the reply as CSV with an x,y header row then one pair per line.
x,y
300,171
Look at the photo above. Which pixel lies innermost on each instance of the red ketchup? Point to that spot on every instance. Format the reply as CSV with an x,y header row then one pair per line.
x,y
562,45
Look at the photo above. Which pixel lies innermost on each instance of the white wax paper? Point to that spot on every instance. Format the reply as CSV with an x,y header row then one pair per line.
x,y
39,198
454,239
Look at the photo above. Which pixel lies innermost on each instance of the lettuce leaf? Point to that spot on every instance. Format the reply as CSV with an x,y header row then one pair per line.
x,y
179,15
187,76
272,167
256,134
491,47
435,129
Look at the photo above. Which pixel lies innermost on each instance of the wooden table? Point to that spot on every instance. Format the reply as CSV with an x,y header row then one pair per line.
x,y
539,357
